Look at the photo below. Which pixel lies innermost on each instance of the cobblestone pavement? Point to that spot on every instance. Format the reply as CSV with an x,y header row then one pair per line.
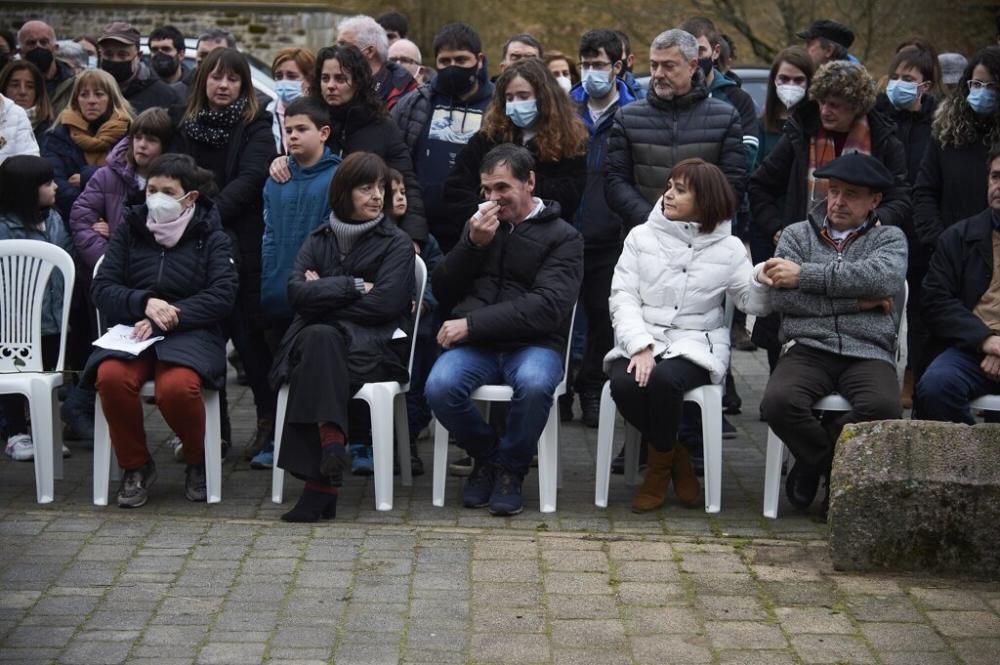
x,y
175,582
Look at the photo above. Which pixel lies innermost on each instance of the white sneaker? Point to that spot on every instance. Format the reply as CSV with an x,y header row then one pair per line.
x,y
20,448
175,444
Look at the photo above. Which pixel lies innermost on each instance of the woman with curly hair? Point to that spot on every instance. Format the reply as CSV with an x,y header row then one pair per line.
x,y
342,81
530,109
951,184
839,118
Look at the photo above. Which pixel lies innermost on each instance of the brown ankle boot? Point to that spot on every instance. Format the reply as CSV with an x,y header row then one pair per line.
x,y
686,483
653,491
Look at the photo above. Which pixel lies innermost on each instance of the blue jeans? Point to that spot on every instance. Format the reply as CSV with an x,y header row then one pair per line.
x,y
533,372
952,381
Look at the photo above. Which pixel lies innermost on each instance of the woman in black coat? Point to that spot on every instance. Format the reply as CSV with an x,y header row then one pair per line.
x,y
350,289
224,129
166,271
359,122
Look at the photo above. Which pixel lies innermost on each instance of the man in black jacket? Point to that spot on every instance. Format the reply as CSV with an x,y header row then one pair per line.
x,y
118,46
962,309
510,284
677,120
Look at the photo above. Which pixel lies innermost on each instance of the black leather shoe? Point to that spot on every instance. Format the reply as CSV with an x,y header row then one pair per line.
x,y
802,484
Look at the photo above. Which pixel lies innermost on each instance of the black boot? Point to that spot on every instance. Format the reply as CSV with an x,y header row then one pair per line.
x,y
312,506
590,404
801,484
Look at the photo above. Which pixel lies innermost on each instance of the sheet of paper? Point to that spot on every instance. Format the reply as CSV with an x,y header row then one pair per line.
x,y
399,334
120,338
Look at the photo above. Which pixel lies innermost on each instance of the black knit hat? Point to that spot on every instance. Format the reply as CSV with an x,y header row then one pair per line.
x,y
835,32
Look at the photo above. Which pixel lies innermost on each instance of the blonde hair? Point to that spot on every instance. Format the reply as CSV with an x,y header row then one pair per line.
x,y
100,79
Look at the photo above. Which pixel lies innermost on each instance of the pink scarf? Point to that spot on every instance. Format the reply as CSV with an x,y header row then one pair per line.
x,y
169,234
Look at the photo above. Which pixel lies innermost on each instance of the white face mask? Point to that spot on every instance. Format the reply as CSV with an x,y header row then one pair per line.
x,y
564,83
164,208
790,94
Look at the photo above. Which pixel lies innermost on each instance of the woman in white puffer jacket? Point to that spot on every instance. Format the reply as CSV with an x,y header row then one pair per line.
x,y
667,308
16,135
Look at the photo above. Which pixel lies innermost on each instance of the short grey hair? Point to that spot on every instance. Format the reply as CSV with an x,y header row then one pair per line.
x,y
682,39
368,33
73,53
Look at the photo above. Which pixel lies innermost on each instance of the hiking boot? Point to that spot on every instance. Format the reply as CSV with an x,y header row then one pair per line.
x,y
506,496
263,437
479,485
362,462
134,489
194,483
590,404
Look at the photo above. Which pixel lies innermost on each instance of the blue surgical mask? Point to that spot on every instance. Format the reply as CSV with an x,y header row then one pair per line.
x,y
901,93
983,101
91,62
288,91
523,113
596,83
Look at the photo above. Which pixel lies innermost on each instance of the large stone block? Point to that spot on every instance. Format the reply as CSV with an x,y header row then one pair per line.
x,y
916,495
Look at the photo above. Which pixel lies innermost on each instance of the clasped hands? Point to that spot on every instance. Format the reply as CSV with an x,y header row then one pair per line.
x,y
160,312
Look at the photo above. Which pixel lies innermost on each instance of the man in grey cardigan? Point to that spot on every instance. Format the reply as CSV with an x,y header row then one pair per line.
x,y
835,278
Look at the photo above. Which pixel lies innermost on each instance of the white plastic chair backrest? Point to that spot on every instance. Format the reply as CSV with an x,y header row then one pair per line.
x,y
420,268
902,347
569,344
100,321
25,269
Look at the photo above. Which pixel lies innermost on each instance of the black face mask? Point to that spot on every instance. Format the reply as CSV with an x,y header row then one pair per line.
x,y
706,65
121,71
164,65
41,58
456,81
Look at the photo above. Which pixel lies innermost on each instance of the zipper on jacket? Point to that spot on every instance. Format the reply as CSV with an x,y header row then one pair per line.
x,y
159,271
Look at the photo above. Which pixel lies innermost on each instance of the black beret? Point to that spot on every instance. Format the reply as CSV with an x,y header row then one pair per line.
x,y
858,169
835,32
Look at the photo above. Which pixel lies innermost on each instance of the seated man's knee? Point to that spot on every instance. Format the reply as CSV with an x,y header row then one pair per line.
x,y
537,380
443,389
780,400
941,380
878,407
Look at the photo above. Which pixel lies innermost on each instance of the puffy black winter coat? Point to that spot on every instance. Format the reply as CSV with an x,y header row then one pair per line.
x,y
784,174
562,181
520,289
651,135
960,272
240,169
384,256
196,275
360,132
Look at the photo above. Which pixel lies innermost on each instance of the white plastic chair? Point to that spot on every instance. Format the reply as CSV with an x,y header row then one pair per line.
x,y
776,451
548,443
387,401
105,466
709,400
25,269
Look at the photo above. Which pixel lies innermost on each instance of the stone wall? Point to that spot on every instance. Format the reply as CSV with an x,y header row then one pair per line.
x,y
261,29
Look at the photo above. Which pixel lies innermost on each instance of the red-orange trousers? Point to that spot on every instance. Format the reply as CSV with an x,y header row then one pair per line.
x,y
178,396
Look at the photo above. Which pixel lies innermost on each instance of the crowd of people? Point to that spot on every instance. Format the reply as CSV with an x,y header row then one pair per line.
x,y
288,221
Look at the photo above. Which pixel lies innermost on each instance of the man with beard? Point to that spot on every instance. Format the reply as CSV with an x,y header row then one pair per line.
x,y
166,49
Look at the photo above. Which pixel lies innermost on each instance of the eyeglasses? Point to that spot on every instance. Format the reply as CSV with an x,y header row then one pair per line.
x,y
975,84
594,64
403,60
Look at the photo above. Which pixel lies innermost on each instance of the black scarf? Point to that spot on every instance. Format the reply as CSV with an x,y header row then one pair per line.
x,y
214,127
